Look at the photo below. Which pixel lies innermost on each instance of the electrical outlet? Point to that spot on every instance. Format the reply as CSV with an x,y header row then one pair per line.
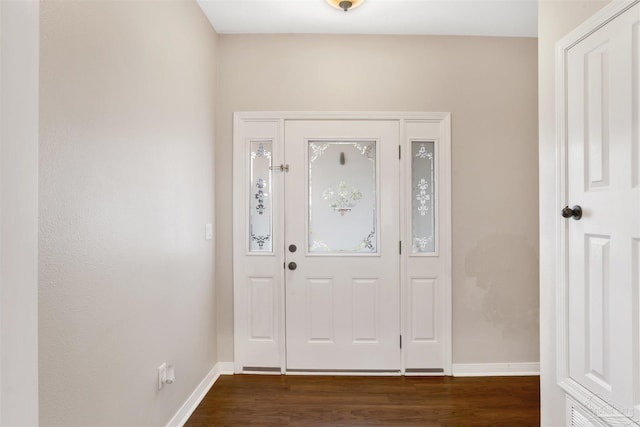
x,y
170,375
208,231
162,375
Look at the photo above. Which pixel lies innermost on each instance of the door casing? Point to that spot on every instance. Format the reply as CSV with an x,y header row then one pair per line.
x,y
267,353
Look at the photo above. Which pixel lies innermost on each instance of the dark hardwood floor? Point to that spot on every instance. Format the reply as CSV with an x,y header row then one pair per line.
x,y
265,400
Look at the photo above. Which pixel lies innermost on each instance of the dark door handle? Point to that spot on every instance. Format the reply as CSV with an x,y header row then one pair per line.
x,y
292,265
574,212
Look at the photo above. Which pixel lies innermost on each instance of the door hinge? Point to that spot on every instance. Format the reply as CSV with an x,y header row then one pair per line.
x,y
399,152
400,247
400,341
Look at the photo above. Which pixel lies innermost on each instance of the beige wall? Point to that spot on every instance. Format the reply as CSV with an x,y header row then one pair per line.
x,y
490,87
126,186
555,20
19,213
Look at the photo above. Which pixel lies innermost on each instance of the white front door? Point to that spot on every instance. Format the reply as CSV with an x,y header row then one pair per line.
x,y
342,246
341,238
602,222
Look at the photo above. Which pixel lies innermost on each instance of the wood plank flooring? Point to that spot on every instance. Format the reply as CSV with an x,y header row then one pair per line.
x,y
265,400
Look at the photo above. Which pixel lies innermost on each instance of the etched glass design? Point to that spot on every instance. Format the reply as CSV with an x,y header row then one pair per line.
x,y
342,197
260,196
423,196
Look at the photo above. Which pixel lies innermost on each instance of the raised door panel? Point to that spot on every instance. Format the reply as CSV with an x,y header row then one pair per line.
x,y
597,310
366,310
262,295
319,309
422,310
596,98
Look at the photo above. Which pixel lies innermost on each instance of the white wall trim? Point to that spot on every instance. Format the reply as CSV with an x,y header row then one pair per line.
x,y
185,411
225,368
495,369
593,24
341,115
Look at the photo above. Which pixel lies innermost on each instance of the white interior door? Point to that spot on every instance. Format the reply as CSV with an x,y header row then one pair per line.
x,y
603,245
342,277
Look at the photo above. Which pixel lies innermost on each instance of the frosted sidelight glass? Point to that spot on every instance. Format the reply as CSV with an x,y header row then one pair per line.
x,y
423,196
342,197
260,196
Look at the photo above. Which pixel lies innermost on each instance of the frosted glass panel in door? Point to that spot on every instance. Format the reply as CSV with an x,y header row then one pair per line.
x,y
423,196
260,195
342,197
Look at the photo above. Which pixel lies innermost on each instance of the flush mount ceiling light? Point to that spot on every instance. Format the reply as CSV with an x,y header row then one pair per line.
x,y
345,4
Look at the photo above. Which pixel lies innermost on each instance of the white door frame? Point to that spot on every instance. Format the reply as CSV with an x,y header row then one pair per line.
x,y
268,355
574,389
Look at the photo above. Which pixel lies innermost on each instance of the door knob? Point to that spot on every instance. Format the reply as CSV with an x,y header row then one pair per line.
x,y
574,212
292,265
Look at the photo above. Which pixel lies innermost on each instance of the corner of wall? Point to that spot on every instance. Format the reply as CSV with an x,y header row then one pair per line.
x,y
19,53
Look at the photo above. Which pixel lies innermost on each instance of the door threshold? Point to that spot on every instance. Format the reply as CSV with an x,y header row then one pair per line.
x,y
351,372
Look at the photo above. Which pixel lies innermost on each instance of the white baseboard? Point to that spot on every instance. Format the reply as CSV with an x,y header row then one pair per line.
x,y
495,369
226,368
185,411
